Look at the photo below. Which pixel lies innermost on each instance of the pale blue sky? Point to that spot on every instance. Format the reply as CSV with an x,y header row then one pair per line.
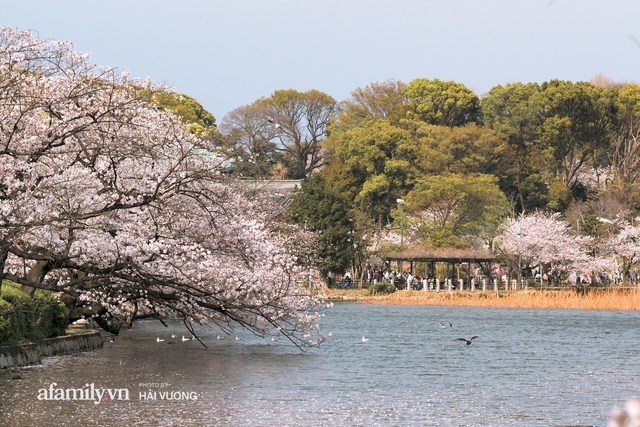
x,y
230,53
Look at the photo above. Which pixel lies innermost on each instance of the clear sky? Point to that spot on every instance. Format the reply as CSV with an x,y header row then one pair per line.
x,y
232,52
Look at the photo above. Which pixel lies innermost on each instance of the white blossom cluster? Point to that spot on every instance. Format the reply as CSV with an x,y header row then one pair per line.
x,y
539,238
629,417
115,204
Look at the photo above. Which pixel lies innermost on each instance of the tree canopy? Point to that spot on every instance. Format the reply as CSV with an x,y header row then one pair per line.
x,y
376,101
111,191
112,202
301,120
442,103
449,207
319,207
380,157
199,121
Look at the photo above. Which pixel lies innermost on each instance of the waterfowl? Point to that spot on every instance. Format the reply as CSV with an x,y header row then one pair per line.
x,y
468,341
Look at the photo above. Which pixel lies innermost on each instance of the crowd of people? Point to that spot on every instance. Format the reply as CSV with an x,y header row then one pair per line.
x,y
404,280
500,279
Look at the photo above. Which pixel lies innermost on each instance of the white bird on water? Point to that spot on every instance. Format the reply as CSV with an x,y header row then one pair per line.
x,y
174,336
237,339
158,339
184,339
365,339
218,337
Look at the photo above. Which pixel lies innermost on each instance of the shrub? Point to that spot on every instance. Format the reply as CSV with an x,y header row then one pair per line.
x,y
37,318
382,288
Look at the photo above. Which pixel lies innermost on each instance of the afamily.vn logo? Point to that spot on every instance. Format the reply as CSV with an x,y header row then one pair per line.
x,y
88,392
96,395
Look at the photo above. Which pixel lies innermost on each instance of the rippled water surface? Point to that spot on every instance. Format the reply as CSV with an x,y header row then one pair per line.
x,y
527,368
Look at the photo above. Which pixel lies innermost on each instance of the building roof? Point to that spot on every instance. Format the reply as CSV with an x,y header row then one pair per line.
x,y
420,253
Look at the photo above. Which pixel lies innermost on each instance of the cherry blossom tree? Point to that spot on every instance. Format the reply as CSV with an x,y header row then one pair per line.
x,y
624,245
115,205
531,240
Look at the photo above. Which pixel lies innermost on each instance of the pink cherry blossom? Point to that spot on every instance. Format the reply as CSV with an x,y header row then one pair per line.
x,y
114,204
535,239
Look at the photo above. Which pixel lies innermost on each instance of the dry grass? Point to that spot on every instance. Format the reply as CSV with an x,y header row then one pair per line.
x,y
344,294
594,300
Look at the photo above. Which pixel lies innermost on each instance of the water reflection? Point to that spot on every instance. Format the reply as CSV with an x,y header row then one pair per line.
x,y
528,367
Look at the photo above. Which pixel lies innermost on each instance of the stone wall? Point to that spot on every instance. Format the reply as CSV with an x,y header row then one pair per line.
x,y
26,354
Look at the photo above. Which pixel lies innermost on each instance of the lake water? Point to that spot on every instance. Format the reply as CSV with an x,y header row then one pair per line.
x,y
529,367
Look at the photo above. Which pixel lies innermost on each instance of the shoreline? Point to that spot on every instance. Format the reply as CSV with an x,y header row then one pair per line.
x,y
593,299
18,355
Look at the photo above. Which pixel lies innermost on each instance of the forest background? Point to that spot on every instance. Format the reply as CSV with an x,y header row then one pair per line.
x,y
461,164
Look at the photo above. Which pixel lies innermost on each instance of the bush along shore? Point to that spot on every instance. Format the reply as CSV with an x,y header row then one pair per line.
x,y
25,319
593,299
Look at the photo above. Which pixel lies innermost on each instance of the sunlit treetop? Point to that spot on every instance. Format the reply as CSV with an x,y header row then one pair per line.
x,y
198,120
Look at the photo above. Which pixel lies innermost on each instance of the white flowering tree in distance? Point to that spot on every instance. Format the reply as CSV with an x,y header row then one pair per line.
x,y
625,244
538,238
112,203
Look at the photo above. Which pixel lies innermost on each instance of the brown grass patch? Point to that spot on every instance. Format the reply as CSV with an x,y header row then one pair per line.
x,y
610,299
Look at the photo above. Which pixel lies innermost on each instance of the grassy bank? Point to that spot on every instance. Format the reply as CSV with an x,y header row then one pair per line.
x,y
609,299
24,319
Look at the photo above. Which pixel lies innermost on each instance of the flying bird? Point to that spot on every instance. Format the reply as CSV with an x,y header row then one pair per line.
x,y
444,325
468,341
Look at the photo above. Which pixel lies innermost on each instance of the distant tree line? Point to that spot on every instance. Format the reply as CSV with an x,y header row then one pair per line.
x,y
462,163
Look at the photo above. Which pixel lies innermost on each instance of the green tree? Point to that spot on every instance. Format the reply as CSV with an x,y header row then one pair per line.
x,y
464,150
447,209
376,101
576,124
320,207
198,120
442,103
377,164
507,111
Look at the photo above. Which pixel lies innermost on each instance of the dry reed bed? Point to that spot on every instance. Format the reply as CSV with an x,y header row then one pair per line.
x,y
594,300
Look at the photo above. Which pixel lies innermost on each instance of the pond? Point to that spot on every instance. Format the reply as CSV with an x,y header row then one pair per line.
x,y
528,367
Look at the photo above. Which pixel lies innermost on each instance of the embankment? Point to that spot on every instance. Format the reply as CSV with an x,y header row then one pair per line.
x,y
26,354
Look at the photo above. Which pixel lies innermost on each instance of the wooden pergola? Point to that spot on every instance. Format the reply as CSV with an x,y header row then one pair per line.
x,y
434,255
